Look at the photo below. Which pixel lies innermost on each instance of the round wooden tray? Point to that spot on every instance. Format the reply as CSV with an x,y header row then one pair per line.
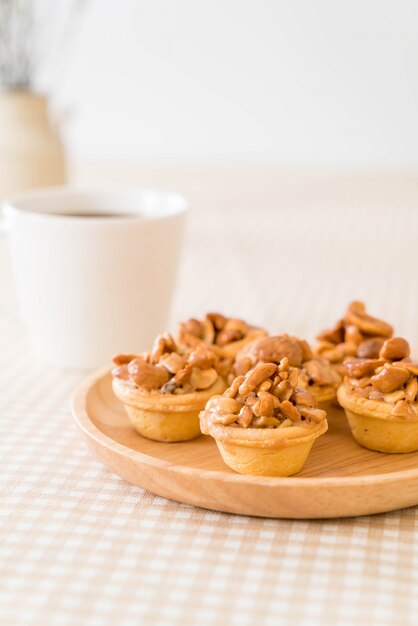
x,y
339,479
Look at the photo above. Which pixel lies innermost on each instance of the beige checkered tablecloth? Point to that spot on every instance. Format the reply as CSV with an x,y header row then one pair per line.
x,y
80,547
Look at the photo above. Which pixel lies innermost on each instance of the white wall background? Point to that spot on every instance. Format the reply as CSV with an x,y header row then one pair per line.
x,y
295,82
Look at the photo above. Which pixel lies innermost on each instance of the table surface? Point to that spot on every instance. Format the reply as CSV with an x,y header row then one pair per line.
x,y
79,546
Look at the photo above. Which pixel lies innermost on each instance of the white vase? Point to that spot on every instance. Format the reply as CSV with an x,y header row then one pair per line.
x,y
31,153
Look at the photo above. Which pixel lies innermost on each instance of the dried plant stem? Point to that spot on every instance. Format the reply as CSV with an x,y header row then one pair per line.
x,y
27,33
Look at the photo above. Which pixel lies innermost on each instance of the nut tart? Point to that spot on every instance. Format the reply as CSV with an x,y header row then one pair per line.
x,y
226,335
379,397
357,334
164,390
315,373
265,424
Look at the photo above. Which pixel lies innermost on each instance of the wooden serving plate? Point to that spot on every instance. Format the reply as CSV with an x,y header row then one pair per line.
x,y
340,477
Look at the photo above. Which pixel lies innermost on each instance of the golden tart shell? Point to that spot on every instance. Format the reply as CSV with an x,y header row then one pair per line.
x,y
264,451
165,417
373,426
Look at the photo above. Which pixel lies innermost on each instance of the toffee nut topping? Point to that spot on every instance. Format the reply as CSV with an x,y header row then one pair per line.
x,y
361,367
411,367
334,335
242,365
202,379
394,396
146,375
217,319
256,376
202,357
283,365
227,336
411,390
356,315
265,405
169,387
404,409
370,348
392,378
237,326
183,375
265,422
272,350
283,390
353,335
265,386
290,410
163,344
245,416
226,419
303,397
320,372
123,359
233,389
313,413
307,352
315,370
121,372
357,334
373,394
266,397
193,327
172,362
335,354
394,349
170,368
389,378
215,329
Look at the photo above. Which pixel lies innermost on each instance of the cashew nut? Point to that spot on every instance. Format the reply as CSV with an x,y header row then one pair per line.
x,y
394,349
256,376
202,379
147,375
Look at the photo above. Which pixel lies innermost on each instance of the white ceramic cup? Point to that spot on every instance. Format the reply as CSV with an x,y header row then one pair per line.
x,y
93,285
